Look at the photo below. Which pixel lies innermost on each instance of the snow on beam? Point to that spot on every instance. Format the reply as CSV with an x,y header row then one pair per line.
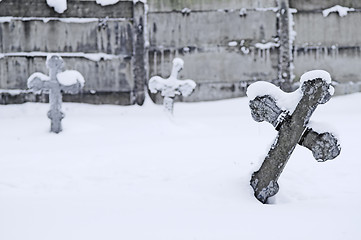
x,y
65,20
90,56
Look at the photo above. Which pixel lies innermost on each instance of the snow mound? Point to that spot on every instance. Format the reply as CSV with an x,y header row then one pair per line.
x,y
342,11
59,5
70,77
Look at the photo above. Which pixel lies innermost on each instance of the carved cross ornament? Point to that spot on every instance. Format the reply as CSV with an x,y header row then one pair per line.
x,y
70,81
171,86
290,113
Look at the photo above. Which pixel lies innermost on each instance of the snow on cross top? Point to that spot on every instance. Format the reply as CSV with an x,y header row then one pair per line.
x,y
324,75
310,75
287,101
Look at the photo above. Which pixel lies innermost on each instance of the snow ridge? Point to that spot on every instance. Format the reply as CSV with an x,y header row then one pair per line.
x,y
342,11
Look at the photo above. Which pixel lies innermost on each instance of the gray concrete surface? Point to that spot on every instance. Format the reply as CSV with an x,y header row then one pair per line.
x,y
145,46
110,32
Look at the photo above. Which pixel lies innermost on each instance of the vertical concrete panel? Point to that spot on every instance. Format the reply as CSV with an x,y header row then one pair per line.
x,y
313,29
206,5
330,43
111,37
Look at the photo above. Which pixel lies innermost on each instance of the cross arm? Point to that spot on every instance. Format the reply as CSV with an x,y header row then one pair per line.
x,y
156,84
324,146
186,87
39,81
265,108
70,81
71,89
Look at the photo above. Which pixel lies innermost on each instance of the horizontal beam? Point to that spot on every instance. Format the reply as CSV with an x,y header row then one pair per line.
x,y
75,8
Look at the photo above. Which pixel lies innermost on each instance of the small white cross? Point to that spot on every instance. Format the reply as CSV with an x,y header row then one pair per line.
x,y
70,81
171,86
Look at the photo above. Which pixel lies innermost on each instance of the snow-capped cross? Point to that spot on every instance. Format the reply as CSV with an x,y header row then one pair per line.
x,y
69,81
171,86
289,113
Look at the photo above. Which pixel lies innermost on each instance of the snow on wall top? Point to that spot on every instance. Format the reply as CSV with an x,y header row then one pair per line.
x,y
111,2
61,5
342,11
267,45
106,2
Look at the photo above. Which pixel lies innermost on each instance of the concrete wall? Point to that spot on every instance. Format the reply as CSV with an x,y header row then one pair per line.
x,y
199,31
201,37
332,43
206,5
112,32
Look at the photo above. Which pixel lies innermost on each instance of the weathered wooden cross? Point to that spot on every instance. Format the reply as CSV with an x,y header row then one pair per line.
x,y
293,130
70,81
171,86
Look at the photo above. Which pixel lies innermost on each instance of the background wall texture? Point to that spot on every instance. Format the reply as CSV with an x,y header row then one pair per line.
x,y
226,45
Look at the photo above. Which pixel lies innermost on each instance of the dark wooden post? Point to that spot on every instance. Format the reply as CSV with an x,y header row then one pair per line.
x,y
139,54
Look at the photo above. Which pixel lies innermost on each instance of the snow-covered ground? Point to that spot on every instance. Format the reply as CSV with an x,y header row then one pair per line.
x,y
129,173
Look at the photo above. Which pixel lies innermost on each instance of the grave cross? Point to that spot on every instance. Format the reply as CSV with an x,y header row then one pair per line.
x,y
171,86
293,130
70,81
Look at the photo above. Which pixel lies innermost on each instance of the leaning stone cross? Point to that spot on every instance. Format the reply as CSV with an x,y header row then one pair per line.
x,y
171,86
70,81
267,104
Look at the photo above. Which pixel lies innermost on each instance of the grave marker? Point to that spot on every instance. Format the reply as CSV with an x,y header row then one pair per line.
x,y
171,86
70,81
292,126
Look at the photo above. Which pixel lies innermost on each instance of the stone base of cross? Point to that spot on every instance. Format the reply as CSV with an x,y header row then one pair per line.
x,y
171,86
289,113
70,81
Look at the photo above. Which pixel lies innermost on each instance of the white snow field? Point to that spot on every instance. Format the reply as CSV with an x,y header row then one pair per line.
x,y
124,173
